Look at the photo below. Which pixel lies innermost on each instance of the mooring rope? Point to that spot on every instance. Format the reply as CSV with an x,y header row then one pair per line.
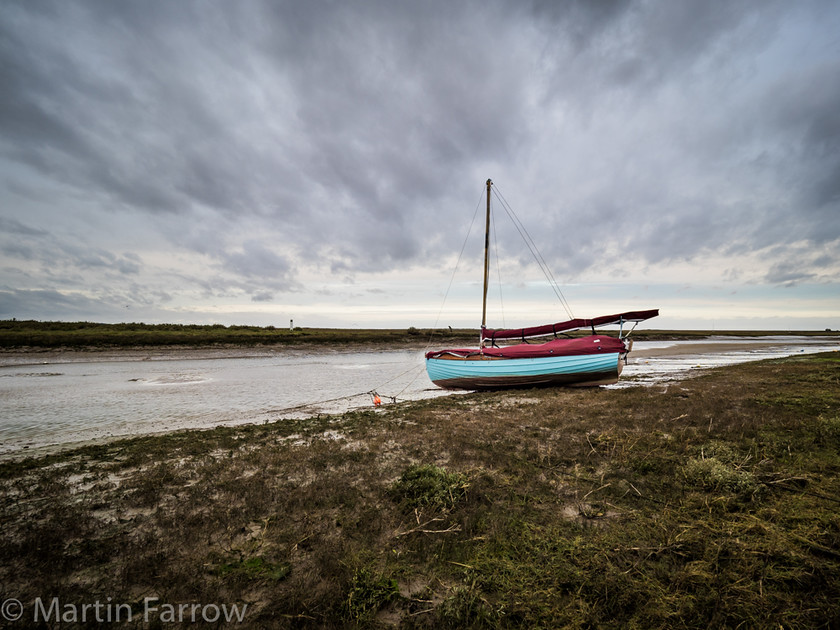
x,y
316,402
373,393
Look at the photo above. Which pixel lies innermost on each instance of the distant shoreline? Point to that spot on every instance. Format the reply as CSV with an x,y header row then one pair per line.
x,y
706,343
703,344
34,336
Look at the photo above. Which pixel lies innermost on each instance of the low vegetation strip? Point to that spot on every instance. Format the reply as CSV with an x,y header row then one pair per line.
x,y
22,334
16,334
714,502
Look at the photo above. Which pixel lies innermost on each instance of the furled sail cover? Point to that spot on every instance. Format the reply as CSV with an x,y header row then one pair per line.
x,y
572,324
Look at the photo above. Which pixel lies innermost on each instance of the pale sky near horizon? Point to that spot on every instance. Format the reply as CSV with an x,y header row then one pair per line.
x,y
259,161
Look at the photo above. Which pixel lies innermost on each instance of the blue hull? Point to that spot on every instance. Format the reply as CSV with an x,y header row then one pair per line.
x,y
482,373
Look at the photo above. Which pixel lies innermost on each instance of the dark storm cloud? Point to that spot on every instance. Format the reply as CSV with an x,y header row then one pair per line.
x,y
257,262
807,111
173,104
274,136
57,256
12,226
707,153
31,304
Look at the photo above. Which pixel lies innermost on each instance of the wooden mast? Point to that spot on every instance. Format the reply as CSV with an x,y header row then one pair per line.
x,y
486,264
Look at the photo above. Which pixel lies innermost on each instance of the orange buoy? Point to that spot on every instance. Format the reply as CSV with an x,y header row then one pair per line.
x,y
376,400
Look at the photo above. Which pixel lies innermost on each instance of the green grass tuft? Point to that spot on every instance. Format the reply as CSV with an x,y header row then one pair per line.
x,y
369,593
429,486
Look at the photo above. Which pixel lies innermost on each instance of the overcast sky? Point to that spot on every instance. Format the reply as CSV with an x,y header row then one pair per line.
x,y
260,161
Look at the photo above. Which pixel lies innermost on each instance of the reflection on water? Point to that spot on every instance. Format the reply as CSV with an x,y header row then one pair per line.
x,y
60,403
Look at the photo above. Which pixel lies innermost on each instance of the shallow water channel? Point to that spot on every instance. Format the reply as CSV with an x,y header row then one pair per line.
x,y
60,401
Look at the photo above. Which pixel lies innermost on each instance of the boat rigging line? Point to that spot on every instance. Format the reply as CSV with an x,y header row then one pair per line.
x,y
498,271
455,270
535,252
529,242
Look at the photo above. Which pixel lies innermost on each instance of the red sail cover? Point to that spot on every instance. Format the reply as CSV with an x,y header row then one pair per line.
x,y
593,344
573,324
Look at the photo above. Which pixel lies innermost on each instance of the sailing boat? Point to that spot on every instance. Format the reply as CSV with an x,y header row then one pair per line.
x,y
582,361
